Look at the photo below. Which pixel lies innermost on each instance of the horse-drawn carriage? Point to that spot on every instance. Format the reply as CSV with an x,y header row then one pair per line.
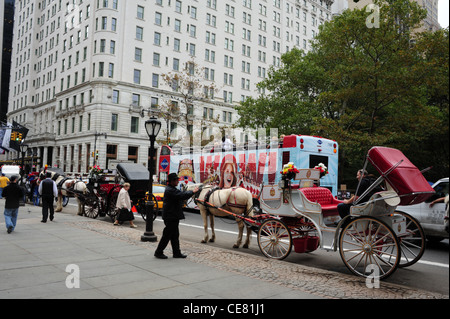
x,y
373,240
103,190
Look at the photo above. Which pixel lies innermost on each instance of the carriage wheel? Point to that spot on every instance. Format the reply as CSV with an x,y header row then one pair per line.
x,y
91,207
274,239
141,208
412,244
65,201
112,211
369,247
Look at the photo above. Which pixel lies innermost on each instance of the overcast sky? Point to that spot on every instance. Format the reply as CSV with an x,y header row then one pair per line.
x,y
443,13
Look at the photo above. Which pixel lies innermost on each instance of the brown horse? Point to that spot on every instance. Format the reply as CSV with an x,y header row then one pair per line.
x,y
237,200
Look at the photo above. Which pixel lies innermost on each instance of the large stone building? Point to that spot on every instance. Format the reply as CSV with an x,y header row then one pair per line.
x,y
85,68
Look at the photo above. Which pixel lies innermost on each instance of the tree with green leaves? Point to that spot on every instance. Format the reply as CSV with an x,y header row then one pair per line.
x,y
363,86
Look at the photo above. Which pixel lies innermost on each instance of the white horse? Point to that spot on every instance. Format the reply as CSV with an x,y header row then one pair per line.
x,y
237,200
69,187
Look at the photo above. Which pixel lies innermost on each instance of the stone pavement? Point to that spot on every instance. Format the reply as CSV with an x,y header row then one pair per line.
x,y
38,260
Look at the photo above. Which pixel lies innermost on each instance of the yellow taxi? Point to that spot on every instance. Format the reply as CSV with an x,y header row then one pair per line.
x,y
158,192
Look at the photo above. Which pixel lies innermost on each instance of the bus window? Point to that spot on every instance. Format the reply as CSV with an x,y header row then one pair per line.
x,y
165,150
286,158
315,160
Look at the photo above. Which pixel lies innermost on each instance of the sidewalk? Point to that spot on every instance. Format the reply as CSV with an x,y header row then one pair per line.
x,y
114,263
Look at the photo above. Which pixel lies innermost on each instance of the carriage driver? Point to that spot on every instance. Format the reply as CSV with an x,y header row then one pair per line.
x,y
172,213
366,181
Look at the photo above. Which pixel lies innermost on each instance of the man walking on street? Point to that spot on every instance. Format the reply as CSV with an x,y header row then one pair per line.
x,y
172,213
13,193
48,192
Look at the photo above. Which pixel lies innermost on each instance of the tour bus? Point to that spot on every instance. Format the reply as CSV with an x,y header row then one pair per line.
x,y
254,167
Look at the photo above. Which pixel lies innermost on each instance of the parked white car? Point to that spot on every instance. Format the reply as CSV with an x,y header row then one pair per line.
x,y
431,218
10,170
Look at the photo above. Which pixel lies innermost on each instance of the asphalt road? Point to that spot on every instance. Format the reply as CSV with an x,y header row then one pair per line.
x,y
430,273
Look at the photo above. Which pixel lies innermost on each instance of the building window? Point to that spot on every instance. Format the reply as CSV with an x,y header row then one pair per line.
x,y
154,102
176,64
139,33
115,97
178,6
137,76
176,45
158,18
156,58
133,153
157,38
155,80
140,12
138,54
111,70
134,124
111,153
80,124
136,100
114,122
113,24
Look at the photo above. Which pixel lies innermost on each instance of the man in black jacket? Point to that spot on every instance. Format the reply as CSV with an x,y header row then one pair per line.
x,y
172,213
48,191
13,193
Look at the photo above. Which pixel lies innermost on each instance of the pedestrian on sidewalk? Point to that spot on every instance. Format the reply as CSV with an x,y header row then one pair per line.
x,y
3,183
172,213
48,192
13,193
124,205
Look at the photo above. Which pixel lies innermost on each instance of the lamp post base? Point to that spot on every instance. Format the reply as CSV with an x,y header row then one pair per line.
x,y
149,236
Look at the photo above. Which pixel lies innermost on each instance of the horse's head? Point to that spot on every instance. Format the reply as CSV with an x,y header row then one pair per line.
x,y
191,187
42,175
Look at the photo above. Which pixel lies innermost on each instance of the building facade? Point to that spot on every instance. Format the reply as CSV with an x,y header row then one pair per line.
x,y
6,31
83,69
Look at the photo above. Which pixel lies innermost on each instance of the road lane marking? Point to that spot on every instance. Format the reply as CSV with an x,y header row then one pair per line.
x,y
425,262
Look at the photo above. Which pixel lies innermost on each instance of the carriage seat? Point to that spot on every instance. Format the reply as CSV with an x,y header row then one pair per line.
x,y
322,196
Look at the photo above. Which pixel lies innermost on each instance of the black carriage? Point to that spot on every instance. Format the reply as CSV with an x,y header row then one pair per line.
x,y
103,190
137,176
101,196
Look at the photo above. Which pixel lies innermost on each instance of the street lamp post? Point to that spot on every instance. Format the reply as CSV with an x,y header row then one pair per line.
x,y
23,150
152,127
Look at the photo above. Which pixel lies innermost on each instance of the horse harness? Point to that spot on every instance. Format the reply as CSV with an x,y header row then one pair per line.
x,y
228,202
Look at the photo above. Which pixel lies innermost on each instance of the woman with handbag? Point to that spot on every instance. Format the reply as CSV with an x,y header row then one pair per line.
x,y
123,204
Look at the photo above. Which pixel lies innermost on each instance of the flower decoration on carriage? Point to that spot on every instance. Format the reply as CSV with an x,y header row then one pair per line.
x,y
323,169
289,171
96,170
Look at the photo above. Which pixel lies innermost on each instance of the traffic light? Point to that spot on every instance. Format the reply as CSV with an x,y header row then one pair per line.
x,y
16,136
96,155
169,142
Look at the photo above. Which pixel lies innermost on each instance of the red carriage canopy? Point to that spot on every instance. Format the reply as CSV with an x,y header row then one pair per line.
x,y
405,179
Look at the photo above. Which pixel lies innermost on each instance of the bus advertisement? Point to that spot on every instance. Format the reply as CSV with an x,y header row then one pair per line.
x,y
251,167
